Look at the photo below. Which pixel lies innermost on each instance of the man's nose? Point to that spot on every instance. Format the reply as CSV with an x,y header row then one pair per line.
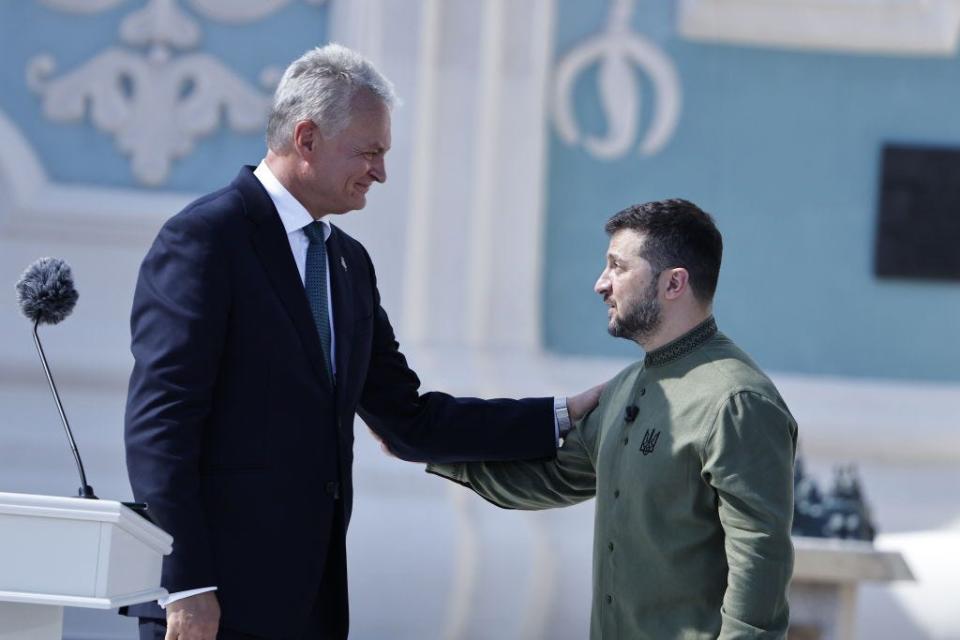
x,y
379,170
602,285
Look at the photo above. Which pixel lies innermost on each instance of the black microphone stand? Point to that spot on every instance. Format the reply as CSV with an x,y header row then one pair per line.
x,y
86,491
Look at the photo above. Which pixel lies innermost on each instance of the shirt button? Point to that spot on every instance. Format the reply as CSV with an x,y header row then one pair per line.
x,y
616,493
609,599
643,391
626,441
610,546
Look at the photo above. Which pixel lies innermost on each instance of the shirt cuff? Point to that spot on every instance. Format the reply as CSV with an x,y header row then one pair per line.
x,y
561,419
180,595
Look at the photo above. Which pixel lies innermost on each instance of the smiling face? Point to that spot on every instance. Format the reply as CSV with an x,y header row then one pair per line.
x,y
339,170
630,288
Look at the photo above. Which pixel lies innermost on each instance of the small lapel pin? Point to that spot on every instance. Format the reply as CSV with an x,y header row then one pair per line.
x,y
343,263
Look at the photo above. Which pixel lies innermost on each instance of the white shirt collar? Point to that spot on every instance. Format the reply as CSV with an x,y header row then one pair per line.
x,y
293,215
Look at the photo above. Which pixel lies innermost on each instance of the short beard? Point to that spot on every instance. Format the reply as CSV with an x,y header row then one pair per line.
x,y
640,321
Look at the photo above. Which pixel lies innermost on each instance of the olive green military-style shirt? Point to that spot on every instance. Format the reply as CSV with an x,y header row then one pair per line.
x,y
690,456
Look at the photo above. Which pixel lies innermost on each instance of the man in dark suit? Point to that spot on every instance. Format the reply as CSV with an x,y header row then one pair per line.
x,y
257,334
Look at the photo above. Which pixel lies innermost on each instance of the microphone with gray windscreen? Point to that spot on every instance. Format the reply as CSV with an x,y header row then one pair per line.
x,y
46,295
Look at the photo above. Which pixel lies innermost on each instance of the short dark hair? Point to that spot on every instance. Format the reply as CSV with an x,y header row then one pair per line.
x,y
679,234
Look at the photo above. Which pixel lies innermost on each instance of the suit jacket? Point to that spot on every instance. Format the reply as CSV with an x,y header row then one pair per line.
x,y
234,436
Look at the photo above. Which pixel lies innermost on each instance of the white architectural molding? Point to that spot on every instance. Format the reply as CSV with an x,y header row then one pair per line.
x,y
152,121
886,27
82,6
19,165
482,222
157,103
149,118
416,308
160,22
358,24
617,50
241,11
34,205
867,419
465,565
542,589
110,374
473,242
226,11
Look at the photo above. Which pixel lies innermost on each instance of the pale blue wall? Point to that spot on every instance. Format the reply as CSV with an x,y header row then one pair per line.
x,y
783,148
77,152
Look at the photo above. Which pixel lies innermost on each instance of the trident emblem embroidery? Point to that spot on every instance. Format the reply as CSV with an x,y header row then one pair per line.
x,y
650,438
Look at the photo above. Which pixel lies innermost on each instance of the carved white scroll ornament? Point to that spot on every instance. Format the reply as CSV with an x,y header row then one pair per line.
x,y
618,51
155,96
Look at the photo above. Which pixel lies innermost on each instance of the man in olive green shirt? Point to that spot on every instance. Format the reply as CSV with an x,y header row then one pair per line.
x,y
689,453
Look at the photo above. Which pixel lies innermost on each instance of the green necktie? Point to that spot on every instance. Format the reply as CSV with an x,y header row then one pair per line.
x,y
316,286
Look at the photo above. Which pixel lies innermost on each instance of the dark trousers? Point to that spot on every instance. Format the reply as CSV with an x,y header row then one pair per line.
x,y
329,619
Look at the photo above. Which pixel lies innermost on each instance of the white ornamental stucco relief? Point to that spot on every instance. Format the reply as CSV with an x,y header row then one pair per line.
x,y
155,108
618,51
155,97
876,27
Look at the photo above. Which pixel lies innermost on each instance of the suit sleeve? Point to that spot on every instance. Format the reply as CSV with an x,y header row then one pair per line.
x,y
437,427
568,479
178,330
748,459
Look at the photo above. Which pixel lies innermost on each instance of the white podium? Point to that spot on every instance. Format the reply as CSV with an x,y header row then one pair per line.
x,y
71,552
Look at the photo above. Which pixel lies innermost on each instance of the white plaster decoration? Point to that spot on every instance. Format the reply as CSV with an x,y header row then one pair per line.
x,y
157,103
158,23
466,563
542,589
416,309
34,205
239,11
897,27
494,190
359,25
142,103
617,50
20,168
82,6
482,222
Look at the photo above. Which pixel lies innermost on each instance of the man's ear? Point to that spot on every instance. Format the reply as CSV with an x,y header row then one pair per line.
x,y
306,136
678,281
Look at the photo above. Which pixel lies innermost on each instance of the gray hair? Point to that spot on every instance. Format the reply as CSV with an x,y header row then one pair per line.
x,y
320,86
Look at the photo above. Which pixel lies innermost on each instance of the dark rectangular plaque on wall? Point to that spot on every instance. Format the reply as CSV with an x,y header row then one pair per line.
x,y
918,226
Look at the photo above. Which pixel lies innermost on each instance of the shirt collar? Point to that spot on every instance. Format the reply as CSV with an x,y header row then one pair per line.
x,y
293,215
683,345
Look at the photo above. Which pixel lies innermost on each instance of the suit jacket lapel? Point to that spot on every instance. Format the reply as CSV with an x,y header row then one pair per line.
x,y
272,247
342,297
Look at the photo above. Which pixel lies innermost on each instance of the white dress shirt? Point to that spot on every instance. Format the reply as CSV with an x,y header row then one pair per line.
x,y
295,217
